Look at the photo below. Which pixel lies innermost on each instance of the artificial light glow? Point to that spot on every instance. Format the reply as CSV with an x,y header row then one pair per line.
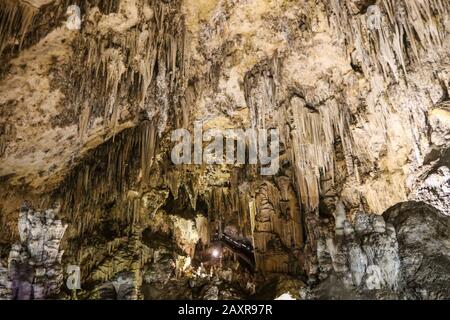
x,y
215,253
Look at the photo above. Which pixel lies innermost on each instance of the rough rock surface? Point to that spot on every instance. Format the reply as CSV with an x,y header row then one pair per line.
x,y
358,90
403,254
34,263
423,235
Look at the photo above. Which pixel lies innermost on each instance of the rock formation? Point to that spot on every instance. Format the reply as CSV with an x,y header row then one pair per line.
x,y
357,92
34,263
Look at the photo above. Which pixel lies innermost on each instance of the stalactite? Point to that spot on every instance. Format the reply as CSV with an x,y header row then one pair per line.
x,y
391,33
193,193
313,134
104,267
106,175
16,18
140,67
148,143
173,181
260,86
275,226
311,130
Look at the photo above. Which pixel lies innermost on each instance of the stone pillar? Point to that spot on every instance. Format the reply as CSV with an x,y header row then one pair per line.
x,y
34,262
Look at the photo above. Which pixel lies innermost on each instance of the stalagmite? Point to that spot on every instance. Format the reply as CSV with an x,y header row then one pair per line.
x,y
340,217
34,262
130,157
313,136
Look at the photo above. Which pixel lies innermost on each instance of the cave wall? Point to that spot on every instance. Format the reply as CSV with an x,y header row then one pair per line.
x,y
357,89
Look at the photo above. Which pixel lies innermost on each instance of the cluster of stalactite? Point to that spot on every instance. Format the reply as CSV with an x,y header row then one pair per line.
x,y
308,131
109,198
23,23
266,213
385,36
314,133
133,65
381,37
137,67
16,19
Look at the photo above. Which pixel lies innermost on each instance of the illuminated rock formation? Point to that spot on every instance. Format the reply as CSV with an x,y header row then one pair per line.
x,y
34,263
358,91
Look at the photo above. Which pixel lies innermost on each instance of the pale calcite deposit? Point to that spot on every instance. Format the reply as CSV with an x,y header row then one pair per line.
x,y
359,93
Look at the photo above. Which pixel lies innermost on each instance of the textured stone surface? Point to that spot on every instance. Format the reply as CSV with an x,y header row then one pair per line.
x,y
365,257
359,91
423,238
34,263
402,254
